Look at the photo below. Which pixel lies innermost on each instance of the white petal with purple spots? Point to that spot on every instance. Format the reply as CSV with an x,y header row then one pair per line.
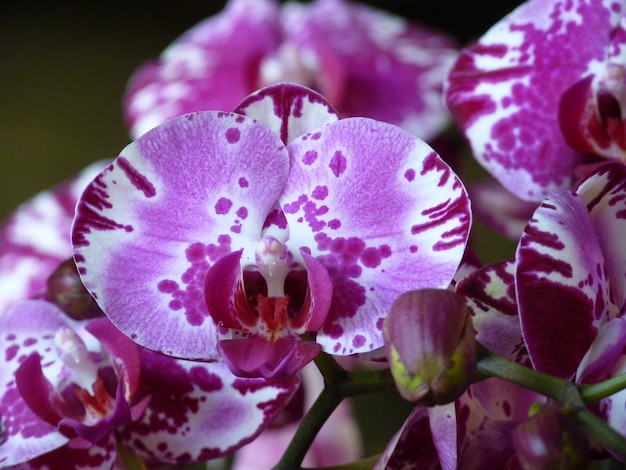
x,y
382,212
149,227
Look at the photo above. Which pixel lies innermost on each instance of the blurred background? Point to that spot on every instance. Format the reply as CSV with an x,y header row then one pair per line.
x,y
64,68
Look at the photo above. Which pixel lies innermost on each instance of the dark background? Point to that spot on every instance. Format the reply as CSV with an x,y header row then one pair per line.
x,y
64,67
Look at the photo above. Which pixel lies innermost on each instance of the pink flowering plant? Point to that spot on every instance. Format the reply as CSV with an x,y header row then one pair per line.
x,y
279,237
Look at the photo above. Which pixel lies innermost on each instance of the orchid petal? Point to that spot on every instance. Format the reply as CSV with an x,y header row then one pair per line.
x,y
289,110
256,356
443,427
35,239
199,411
606,349
604,193
612,408
176,200
27,328
357,51
212,66
560,281
504,91
382,212
491,298
486,416
412,446
100,456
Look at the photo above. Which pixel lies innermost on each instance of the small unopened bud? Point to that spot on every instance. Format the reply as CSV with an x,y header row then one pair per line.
x,y
66,291
551,439
430,345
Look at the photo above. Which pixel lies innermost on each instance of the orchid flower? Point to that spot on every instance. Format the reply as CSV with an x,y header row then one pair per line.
x,y
73,389
343,50
542,93
567,283
64,383
35,238
476,431
180,241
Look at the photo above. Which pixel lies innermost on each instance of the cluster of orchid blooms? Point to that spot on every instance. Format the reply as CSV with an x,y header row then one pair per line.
x,y
280,209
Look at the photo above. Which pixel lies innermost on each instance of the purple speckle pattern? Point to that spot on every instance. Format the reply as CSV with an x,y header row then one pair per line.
x,y
289,110
504,90
571,251
145,238
26,329
492,300
200,411
371,221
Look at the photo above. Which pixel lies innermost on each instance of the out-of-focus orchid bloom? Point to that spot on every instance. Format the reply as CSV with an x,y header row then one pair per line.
x,y
35,239
181,243
499,209
337,443
63,383
474,432
543,92
365,61
72,389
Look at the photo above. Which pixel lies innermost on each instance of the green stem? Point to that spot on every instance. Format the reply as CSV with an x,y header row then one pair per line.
x,y
338,384
565,392
601,432
312,422
596,392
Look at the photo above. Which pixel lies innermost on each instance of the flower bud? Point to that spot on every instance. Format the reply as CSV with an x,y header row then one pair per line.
x,y
66,291
551,439
430,345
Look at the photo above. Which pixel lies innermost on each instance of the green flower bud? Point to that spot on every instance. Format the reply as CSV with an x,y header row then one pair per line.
x,y
430,345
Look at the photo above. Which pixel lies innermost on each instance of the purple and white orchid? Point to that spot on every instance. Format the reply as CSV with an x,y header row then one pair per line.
x,y
35,238
343,50
559,304
217,231
542,93
75,389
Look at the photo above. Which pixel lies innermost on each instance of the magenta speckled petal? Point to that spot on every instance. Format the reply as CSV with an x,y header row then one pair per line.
x,y
486,415
27,327
100,456
148,228
561,281
199,411
35,239
354,51
412,446
504,91
490,296
604,193
382,212
288,109
212,66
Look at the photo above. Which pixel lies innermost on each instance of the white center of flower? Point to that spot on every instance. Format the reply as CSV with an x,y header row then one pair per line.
x,y
80,368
